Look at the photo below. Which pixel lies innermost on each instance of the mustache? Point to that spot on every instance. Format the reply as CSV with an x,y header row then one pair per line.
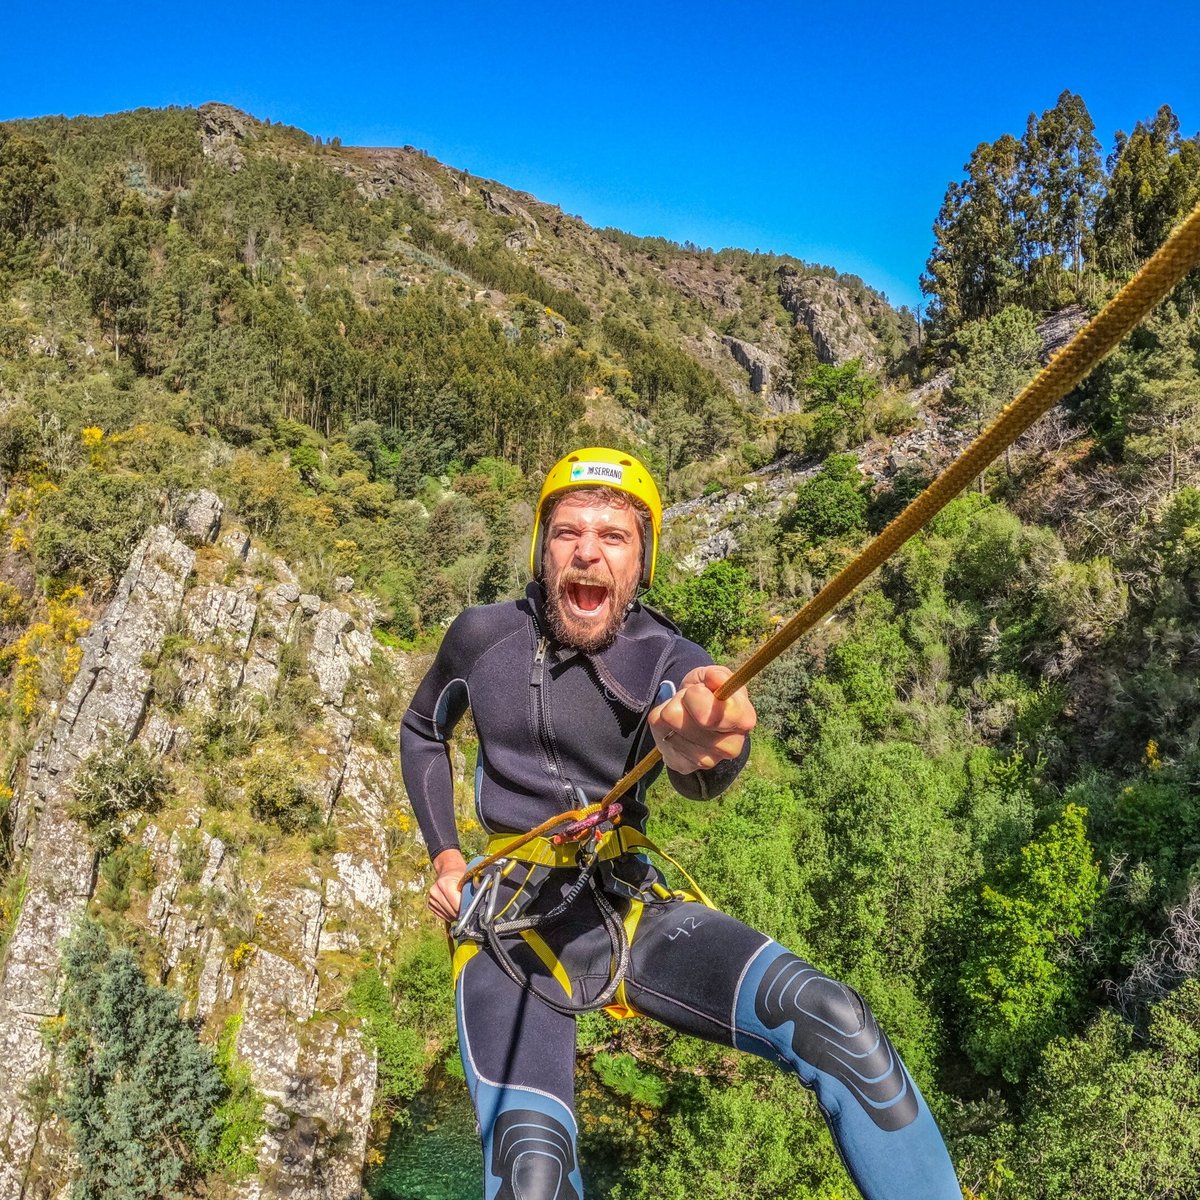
x,y
569,575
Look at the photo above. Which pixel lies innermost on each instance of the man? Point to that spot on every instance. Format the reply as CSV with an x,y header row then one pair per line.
x,y
569,687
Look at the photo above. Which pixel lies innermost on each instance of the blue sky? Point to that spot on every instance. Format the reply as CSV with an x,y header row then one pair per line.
x,y
828,132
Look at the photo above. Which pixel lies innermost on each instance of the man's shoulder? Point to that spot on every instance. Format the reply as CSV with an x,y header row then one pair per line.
x,y
484,624
648,623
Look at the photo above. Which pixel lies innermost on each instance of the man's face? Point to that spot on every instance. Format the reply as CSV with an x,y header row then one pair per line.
x,y
592,563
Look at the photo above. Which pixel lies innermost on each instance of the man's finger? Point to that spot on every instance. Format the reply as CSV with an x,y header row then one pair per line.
x,y
735,715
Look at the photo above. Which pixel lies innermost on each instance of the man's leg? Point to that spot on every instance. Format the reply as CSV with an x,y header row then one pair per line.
x,y
705,973
519,1057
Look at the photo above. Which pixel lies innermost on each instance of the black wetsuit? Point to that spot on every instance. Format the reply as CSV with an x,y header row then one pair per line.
x,y
557,728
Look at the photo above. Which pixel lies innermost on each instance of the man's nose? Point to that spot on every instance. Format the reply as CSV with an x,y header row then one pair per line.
x,y
587,547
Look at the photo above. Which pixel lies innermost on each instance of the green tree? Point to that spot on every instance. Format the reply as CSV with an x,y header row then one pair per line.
x,y
833,504
1164,418
975,261
28,204
139,1091
1153,182
718,609
116,276
996,357
837,397
1108,1113
1060,184
1018,982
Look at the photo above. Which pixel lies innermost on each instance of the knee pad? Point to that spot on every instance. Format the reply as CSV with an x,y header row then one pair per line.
x,y
533,1156
835,1031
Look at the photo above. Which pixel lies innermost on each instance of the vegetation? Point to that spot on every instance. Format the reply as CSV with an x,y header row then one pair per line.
x,y
114,782
972,794
139,1093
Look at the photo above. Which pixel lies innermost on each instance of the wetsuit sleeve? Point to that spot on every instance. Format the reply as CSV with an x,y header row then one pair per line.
x,y
701,785
438,705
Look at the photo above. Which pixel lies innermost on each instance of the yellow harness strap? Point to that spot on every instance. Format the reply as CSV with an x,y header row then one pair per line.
x,y
624,839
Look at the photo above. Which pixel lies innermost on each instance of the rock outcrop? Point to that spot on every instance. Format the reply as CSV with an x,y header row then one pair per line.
x,y
837,325
502,206
379,173
222,128
268,943
105,705
755,361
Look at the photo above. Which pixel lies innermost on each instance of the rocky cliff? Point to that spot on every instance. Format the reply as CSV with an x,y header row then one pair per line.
x,y
272,938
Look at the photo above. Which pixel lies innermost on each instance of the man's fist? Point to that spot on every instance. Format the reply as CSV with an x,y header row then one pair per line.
x,y
445,897
693,730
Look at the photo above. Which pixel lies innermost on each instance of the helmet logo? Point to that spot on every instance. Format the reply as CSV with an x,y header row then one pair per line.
x,y
600,472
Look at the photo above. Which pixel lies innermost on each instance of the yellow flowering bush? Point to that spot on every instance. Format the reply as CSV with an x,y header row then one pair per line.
x,y
48,654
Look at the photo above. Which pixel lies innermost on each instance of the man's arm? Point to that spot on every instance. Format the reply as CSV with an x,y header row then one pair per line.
x,y
703,740
436,708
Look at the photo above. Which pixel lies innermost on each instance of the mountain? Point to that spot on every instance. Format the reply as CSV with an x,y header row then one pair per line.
x,y
273,411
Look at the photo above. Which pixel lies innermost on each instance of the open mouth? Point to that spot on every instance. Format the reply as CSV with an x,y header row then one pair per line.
x,y
586,600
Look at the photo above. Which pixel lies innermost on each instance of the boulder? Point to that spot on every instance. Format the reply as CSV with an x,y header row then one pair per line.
x,y
197,517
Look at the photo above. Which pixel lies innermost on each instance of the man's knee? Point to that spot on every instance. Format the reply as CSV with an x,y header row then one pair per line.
x,y
833,1030
533,1156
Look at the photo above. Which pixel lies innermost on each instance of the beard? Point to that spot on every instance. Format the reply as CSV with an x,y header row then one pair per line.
x,y
589,634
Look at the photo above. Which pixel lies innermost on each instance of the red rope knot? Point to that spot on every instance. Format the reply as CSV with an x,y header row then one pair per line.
x,y
577,830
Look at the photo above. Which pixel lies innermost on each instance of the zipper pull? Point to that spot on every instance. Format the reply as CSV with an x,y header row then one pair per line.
x,y
540,656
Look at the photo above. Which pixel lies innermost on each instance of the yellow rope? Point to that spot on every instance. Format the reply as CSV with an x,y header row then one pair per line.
x,y
1158,275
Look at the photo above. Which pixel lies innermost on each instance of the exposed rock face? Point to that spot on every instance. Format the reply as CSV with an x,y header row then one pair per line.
x,y
198,517
293,923
504,207
105,705
715,522
380,172
713,289
1059,328
837,326
756,361
222,127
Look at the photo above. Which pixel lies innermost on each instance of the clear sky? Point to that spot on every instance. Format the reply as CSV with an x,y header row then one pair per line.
x,y
828,131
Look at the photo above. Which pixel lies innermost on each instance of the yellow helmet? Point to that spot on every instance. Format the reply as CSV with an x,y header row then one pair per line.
x,y
598,466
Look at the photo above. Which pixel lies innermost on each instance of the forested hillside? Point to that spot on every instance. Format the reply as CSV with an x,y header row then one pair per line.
x,y
974,793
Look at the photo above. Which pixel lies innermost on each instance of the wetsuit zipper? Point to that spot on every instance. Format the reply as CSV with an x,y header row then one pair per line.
x,y
537,682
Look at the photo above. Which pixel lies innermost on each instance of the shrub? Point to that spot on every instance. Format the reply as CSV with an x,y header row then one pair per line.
x,y
126,869
140,1094
240,1114
621,1073
717,609
115,782
830,505
90,525
278,788
400,1049
1016,982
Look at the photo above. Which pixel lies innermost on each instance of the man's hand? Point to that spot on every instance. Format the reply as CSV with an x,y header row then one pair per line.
x,y
694,730
445,897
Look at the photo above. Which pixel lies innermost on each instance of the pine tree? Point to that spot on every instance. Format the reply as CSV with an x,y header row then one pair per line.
x,y
140,1091
1154,181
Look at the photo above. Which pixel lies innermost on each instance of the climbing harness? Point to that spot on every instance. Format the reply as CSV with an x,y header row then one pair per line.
x,y
1178,255
498,914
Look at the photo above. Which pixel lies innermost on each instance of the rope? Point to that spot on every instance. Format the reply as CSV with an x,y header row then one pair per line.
x,y
1178,255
